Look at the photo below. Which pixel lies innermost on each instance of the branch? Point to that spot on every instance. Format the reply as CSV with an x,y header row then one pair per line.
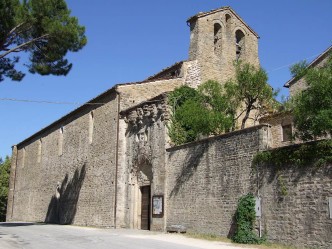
x,y
20,47
11,35
43,53
15,28
6,44
240,114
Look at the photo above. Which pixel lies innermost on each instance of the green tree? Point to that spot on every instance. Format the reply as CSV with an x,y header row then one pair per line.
x,y
180,131
205,111
250,91
214,109
42,28
4,185
312,108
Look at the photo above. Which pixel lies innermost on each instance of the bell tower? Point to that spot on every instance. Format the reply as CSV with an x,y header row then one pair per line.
x,y
219,38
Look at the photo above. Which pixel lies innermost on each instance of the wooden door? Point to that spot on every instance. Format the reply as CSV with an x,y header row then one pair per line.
x,y
145,214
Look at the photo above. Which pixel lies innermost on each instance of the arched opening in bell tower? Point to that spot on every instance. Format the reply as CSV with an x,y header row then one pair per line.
x,y
239,43
217,39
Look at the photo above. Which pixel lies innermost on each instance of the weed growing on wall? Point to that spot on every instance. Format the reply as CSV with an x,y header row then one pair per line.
x,y
282,185
245,218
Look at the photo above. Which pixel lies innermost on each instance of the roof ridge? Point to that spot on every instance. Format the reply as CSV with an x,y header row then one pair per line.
x,y
311,64
202,14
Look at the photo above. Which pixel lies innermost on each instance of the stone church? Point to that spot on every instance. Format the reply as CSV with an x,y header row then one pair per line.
x,y
111,163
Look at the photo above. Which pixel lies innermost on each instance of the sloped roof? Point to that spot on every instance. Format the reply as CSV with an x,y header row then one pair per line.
x,y
202,14
164,72
96,101
312,64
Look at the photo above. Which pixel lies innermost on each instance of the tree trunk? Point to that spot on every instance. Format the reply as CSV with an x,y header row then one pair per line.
x,y
244,120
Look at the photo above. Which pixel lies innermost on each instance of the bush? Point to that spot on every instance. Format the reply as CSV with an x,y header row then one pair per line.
x,y
245,217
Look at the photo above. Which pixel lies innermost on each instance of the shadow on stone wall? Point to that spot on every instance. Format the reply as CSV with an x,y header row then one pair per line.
x,y
191,162
232,229
271,172
62,208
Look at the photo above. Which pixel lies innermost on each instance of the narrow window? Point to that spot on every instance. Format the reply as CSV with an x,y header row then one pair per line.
x,y
23,157
217,39
330,206
239,43
91,124
39,153
228,18
60,142
286,132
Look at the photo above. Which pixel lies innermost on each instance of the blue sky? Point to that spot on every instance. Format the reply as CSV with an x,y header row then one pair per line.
x,y
131,40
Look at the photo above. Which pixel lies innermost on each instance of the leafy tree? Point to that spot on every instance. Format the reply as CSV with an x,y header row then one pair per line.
x,y
4,185
42,28
180,131
205,111
250,91
312,108
219,107
214,109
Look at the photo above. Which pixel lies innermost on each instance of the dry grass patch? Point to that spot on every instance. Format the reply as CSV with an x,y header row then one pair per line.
x,y
212,237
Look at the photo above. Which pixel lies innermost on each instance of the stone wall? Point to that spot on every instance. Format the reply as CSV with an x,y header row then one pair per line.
x,y
193,75
295,209
74,185
207,178
277,121
133,94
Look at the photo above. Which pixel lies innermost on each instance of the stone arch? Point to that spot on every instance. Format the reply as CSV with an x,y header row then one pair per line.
x,y
143,171
217,37
141,177
228,19
239,43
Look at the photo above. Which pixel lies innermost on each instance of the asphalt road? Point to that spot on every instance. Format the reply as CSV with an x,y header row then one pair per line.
x,y
42,236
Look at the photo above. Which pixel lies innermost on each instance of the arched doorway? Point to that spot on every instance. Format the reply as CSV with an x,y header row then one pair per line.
x,y
141,180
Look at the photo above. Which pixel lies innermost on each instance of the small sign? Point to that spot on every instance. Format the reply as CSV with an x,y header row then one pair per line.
x,y
258,207
157,206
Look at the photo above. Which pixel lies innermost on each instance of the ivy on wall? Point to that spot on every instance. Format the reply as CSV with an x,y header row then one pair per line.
x,y
317,153
312,154
245,217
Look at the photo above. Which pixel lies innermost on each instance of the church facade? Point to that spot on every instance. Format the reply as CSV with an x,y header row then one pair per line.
x,y
89,150
110,162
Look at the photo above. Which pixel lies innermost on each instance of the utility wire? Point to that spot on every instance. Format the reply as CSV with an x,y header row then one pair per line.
x,y
288,65
49,102
63,103
89,103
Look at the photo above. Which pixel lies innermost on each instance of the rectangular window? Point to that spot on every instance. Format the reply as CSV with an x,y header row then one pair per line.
x,y
286,133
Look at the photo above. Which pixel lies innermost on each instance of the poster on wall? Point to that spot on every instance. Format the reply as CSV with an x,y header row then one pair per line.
x,y
157,206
